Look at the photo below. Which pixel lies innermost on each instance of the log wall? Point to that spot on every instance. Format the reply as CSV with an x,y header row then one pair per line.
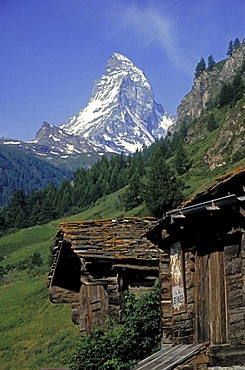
x,y
166,296
184,323
96,261
179,327
235,277
214,295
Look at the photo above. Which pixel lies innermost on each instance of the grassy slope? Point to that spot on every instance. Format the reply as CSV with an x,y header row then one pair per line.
x,y
200,177
34,332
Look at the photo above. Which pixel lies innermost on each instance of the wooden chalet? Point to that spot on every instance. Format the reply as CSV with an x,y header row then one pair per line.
x,y
202,277
198,253
95,261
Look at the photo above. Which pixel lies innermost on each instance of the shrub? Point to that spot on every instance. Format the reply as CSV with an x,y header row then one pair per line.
x,y
120,347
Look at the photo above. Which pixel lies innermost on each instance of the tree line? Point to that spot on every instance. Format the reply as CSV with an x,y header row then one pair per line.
x,y
18,170
146,175
233,91
152,177
230,92
201,65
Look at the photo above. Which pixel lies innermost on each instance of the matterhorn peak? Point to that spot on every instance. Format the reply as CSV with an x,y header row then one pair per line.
x,y
120,58
121,115
118,62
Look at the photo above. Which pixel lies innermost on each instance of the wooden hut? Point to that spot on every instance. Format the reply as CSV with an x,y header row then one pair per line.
x,y
95,261
202,277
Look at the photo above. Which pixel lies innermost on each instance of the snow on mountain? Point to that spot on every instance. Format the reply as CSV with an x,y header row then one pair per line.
x,y
60,141
121,115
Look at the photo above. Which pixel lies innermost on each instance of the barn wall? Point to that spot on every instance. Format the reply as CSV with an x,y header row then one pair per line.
x,y
102,295
177,327
183,323
235,277
222,311
202,274
166,296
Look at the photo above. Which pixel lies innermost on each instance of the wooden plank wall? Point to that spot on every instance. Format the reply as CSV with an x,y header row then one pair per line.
x,y
202,298
217,310
92,306
166,296
211,297
97,301
215,296
177,328
184,323
235,275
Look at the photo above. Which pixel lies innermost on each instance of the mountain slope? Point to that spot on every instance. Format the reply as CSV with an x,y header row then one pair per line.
x,y
121,115
207,86
34,332
60,141
218,127
19,170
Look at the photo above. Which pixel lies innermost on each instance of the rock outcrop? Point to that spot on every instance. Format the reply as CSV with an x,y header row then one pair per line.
x,y
207,85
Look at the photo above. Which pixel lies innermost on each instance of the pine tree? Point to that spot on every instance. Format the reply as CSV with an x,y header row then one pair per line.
x,y
79,181
64,198
132,195
201,66
21,219
16,215
226,95
181,160
236,43
212,123
163,190
238,86
211,62
34,206
48,206
230,49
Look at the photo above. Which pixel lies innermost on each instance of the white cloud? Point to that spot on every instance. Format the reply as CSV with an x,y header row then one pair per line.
x,y
151,25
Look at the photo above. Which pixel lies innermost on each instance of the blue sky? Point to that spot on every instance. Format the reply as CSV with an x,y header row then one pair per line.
x,y
51,51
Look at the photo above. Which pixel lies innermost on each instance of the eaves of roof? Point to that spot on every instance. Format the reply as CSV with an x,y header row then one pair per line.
x,y
220,181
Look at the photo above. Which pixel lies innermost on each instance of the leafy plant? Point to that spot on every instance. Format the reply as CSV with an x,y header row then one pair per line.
x,y
119,347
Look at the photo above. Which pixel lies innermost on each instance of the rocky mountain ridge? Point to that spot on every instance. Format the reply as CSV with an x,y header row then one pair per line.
x,y
207,85
228,138
121,117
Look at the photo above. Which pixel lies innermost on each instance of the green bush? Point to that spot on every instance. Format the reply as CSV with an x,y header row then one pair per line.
x,y
120,347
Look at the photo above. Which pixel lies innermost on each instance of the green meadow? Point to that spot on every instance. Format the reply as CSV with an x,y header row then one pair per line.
x,y
34,332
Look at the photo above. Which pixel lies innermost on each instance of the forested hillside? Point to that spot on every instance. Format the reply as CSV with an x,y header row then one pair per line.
x,y
158,178
21,171
208,142
149,182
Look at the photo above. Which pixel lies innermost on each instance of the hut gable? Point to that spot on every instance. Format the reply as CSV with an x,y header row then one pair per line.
x,y
202,270
95,261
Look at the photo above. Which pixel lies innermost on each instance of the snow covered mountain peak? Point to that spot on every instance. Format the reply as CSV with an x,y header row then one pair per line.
x,y
121,115
118,60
